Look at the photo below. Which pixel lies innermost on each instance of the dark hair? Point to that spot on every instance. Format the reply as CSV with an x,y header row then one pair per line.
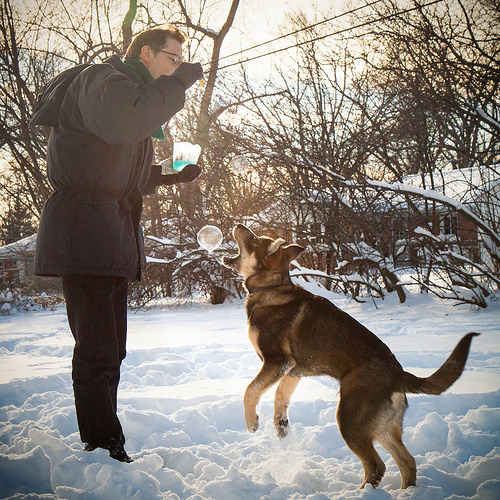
x,y
154,38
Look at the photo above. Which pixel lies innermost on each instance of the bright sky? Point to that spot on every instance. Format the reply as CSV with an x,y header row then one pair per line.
x,y
261,19
258,21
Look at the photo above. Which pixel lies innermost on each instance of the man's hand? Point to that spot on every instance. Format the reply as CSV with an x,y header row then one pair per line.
x,y
188,73
188,173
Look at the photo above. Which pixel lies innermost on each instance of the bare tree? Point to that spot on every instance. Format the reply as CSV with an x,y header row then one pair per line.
x,y
20,74
37,41
405,102
334,140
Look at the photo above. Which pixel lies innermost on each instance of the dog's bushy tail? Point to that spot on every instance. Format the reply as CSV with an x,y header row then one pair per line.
x,y
443,378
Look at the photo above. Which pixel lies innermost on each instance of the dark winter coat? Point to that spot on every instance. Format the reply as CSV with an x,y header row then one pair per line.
x,y
99,162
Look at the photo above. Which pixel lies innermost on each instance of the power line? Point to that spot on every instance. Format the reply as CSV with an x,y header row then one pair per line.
x,y
338,16
367,23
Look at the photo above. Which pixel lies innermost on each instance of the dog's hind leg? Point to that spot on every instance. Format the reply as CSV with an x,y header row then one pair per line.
x,y
356,415
372,463
281,401
404,460
269,374
389,436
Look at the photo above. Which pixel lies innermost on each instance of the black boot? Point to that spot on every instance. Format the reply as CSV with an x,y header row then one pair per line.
x,y
117,451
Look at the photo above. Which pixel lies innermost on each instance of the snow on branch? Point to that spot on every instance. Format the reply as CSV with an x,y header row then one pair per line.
x,y
466,261
425,232
487,118
301,276
428,194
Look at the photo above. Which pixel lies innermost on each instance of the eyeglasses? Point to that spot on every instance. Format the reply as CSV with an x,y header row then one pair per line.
x,y
177,58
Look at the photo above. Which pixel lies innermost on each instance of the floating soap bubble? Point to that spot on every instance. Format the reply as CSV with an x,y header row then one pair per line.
x,y
209,237
234,120
239,164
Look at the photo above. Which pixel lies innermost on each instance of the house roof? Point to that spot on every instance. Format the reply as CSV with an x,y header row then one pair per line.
x,y
469,186
464,185
22,248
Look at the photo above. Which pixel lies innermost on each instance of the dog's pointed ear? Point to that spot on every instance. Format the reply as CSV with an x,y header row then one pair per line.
x,y
292,251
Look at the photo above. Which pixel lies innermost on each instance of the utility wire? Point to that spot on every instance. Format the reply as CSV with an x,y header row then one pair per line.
x,y
367,23
338,16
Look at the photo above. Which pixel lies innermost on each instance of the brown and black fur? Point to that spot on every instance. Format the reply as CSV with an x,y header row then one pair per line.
x,y
298,334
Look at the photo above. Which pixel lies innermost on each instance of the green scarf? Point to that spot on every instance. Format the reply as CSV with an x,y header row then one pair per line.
x,y
143,76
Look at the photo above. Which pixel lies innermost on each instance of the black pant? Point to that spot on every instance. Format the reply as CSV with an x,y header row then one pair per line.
x,y
97,315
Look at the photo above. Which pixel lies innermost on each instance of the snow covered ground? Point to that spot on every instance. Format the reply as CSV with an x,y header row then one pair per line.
x,y
181,408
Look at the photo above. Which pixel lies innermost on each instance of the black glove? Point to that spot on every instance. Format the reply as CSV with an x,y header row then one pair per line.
x,y
187,174
188,73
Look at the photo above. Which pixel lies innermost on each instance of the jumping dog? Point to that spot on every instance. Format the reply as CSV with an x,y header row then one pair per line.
x,y
297,334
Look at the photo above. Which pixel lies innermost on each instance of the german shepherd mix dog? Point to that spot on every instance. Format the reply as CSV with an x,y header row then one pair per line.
x,y
298,334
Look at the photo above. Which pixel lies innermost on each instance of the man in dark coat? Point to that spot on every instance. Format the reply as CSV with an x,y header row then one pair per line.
x,y
99,162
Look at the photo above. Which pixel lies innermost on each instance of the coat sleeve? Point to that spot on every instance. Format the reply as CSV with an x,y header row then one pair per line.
x,y
121,111
157,179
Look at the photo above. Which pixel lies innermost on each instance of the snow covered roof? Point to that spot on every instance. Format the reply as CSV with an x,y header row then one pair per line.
x,y
463,185
21,248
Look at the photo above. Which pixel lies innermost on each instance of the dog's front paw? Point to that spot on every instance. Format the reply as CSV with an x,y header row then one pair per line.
x,y
252,423
281,425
